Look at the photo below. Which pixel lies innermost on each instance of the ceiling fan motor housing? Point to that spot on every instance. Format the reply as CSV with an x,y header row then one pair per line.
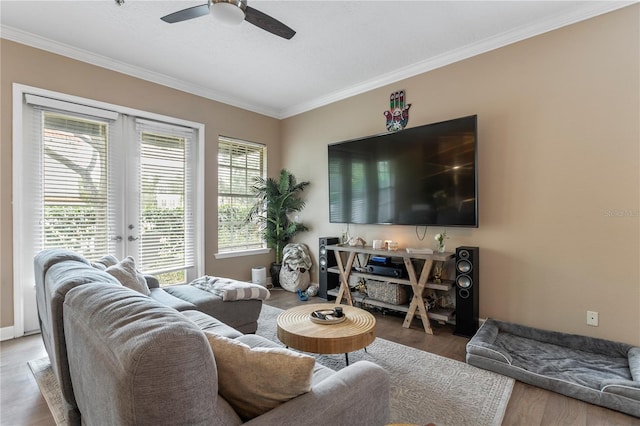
x,y
232,12
228,11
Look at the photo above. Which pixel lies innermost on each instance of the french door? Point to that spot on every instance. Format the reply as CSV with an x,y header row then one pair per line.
x,y
98,181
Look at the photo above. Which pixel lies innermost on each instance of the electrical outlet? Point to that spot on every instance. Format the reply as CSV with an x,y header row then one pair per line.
x,y
592,318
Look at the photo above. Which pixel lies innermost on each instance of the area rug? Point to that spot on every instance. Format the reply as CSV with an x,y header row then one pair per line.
x,y
48,385
425,388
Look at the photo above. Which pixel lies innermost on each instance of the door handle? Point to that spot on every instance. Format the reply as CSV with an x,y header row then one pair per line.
x,y
117,238
132,238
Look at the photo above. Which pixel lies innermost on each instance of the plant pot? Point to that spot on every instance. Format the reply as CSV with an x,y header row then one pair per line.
x,y
274,270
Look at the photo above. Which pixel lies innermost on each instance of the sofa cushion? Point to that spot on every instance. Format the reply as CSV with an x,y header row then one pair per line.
x,y
125,271
241,314
254,381
160,295
212,325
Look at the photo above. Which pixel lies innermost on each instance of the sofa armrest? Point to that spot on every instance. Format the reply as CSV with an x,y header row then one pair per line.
x,y
152,282
61,278
357,394
134,361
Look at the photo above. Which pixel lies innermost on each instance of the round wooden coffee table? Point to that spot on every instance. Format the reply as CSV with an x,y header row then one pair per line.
x,y
296,330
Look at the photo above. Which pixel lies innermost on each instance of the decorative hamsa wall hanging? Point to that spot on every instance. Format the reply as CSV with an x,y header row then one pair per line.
x,y
398,114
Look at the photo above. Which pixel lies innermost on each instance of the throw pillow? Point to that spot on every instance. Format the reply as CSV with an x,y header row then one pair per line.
x,y
98,265
106,261
256,380
125,272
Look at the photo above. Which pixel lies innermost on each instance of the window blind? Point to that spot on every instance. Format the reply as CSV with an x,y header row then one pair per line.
x,y
76,179
73,200
71,107
239,163
166,203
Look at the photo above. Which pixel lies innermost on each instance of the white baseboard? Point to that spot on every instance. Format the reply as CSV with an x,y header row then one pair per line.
x,y
6,333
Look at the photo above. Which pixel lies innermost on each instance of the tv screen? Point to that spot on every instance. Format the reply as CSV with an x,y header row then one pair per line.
x,y
424,175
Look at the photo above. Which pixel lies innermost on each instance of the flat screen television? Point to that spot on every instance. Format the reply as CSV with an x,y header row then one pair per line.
x,y
423,175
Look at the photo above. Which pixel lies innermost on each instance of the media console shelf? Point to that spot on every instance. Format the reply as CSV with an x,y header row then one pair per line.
x,y
417,281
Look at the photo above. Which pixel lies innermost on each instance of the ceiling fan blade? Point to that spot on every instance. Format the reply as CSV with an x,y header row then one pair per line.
x,y
268,23
185,14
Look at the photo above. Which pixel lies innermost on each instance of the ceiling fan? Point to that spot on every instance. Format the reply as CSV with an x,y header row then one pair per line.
x,y
233,12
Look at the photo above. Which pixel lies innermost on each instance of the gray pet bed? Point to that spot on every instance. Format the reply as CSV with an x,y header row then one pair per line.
x,y
594,370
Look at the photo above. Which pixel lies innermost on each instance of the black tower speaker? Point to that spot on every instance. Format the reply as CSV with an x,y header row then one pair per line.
x,y
467,290
326,259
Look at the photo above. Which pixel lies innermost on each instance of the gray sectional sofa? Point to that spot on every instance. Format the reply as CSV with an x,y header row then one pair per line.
x,y
57,271
594,370
124,358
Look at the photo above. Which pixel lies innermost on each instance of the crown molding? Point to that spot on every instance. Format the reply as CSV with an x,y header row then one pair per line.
x,y
48,45
589,10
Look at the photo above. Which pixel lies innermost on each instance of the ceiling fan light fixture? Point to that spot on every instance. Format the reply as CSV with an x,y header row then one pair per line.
x,y
230,12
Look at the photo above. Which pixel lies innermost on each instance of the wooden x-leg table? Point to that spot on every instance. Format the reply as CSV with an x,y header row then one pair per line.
x,y
417,282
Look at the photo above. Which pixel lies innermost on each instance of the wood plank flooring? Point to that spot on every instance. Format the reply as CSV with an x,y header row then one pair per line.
x,y
20,400
22,403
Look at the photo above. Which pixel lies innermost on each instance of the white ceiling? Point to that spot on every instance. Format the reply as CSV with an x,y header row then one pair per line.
x,y
341,48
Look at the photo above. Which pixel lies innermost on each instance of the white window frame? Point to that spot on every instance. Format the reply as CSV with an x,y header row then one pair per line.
x,y
240,253
20,252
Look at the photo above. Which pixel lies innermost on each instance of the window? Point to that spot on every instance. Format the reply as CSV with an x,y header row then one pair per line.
x,y
102,179
239,163
75,208
83,194
166,241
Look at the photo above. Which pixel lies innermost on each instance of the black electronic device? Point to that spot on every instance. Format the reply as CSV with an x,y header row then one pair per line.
x,y
386,266
382,260
467,291
387,271
424,175
326,259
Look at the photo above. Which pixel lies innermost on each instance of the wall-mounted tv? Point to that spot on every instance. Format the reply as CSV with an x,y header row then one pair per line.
x,y
423,175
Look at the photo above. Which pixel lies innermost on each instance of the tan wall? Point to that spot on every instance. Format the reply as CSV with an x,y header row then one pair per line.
x,y
33,67
558,149
558,153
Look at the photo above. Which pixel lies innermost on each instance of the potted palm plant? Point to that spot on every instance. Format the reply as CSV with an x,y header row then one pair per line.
x,y
276,200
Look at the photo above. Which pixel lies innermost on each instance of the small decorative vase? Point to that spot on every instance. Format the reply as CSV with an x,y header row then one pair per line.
x,y
440,241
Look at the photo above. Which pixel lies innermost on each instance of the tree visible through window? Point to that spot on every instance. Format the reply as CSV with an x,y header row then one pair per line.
x,y
75,184
101,179
79,193
239,163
